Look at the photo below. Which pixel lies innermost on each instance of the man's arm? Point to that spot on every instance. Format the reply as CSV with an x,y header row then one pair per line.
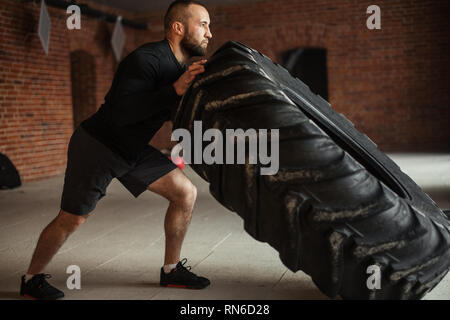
x,y
134,103
137,96
162,138
136,107
186,78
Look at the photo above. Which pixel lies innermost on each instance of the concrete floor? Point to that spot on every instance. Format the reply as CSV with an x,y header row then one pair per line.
x,y
120,249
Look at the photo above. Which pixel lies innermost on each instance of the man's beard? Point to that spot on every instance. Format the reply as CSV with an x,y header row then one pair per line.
x,y
191,48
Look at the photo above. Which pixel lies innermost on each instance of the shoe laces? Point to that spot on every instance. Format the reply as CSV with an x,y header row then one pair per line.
x,y
183,267
42,283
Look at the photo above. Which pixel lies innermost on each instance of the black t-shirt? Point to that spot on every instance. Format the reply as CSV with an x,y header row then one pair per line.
x,y
140,100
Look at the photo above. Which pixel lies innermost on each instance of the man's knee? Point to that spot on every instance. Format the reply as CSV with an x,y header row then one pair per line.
x,y
186,195
70,222
192,193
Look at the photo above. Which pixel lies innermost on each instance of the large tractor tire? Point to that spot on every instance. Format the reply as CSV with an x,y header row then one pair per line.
x,y
337,205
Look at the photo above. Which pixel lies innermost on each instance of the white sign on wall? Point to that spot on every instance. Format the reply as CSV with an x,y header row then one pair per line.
x,y
118,39
44,27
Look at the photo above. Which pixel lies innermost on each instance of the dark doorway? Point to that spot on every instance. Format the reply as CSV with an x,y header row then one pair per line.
x,y
82,69
310,66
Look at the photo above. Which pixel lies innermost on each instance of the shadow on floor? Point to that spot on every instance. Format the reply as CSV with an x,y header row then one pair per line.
x,y
9,295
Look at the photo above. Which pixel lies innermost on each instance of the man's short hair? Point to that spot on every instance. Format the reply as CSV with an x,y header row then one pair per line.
x,y
177,12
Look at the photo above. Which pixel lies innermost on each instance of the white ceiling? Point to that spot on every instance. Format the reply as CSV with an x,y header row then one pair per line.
x,y
158,5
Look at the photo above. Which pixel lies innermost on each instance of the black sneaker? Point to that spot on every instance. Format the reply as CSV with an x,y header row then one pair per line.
x,y
38,288
182,277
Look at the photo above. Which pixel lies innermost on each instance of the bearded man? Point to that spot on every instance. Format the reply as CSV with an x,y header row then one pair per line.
x,y
115,143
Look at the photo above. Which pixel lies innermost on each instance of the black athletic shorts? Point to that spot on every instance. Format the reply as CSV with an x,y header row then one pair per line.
x,y
91,166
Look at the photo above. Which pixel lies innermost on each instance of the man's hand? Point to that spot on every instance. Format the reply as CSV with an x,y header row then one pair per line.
x,y
186,78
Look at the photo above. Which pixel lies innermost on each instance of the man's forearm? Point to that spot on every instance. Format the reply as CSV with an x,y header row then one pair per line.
x,y
161,139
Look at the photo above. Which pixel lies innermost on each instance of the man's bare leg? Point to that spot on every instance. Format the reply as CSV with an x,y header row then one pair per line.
x,y
52,238
181,193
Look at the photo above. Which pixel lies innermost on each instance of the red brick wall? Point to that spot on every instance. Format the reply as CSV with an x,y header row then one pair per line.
x,y
392,83
83,79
